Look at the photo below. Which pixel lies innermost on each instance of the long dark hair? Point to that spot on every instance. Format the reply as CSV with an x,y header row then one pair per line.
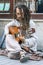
x,y
26,12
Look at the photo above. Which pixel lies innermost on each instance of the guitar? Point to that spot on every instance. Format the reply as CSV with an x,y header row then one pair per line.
x,y
14,30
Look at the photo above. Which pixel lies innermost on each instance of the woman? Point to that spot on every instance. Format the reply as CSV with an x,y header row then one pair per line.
x,y
27,28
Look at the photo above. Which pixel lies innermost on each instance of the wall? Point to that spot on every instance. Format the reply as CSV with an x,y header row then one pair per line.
x,y
2,24
39,28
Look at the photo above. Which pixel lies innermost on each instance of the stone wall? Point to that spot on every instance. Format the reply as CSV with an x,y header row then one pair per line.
x,y
2,25
39,29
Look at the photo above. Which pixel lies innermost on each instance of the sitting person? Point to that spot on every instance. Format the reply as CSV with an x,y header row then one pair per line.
x,y
26,27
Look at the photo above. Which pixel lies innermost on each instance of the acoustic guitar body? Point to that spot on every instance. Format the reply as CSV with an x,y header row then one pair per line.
x,y
14,30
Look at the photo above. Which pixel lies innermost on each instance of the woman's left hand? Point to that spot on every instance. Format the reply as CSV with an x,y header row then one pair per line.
x,y
31,30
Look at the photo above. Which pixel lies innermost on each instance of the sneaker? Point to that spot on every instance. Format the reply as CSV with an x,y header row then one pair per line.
x,y
23,58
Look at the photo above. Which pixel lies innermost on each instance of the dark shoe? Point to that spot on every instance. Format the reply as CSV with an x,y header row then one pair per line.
x,y
23,58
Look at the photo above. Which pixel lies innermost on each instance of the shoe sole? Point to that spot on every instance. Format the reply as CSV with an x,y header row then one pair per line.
x,y
23,60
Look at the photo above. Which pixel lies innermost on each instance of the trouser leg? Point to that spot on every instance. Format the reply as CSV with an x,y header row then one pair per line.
x,y
13,55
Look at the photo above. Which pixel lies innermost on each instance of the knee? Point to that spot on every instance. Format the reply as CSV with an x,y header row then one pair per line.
x,y
9,37
30,42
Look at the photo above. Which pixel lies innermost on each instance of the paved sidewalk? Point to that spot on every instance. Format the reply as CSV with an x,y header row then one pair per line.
x,y
6,61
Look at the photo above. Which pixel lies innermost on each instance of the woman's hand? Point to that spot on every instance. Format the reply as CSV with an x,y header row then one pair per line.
x,y
31,30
